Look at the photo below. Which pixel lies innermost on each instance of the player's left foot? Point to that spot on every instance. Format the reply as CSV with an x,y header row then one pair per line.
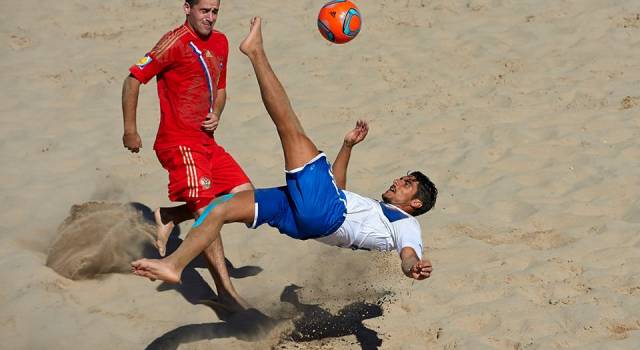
x,y
154,269
253,42
162,233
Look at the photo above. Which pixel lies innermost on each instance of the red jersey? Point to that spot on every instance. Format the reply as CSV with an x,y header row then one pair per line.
x,y
189,72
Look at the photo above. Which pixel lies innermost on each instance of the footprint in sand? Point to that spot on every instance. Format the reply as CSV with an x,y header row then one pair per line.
x,y
630,102
17,42
620,329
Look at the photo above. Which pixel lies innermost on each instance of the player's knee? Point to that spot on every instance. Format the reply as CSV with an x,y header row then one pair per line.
x,y
220,212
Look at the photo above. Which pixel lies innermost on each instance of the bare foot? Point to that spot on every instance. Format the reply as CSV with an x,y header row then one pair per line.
x,y
162,233
154,269
253,42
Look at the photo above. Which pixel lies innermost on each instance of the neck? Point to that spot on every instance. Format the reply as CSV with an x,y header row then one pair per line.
x,y
194,31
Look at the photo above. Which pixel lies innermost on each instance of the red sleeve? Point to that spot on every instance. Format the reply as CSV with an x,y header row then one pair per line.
x,y
155,61
222,81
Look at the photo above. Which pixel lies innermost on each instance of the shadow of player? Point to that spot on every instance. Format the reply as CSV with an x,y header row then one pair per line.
x,y
312,323
315,323
247,325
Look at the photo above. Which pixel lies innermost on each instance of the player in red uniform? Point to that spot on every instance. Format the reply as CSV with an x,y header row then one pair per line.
x,y
190,64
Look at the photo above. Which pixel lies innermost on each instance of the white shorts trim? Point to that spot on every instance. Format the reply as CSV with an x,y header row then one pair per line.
x,y
296,170
255,215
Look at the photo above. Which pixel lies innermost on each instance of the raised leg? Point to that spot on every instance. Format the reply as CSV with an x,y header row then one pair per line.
x,y
297,147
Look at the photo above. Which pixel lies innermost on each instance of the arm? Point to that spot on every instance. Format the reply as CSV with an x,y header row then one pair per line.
x,y
412,266
210,124
341,163
130,91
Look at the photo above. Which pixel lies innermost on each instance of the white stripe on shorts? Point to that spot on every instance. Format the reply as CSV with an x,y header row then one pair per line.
x,y
192,176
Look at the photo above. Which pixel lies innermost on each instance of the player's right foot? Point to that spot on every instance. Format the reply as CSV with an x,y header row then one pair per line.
x,y
162,233
253,42
154,269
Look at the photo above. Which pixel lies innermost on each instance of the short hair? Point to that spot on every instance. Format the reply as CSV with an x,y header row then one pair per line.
x,y
191,2
426,193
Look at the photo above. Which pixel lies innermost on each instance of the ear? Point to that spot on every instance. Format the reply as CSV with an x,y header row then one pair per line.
x,y
187,8
416,203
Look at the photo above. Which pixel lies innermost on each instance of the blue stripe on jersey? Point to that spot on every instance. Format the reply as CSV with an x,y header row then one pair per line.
x,y
197,51
392,213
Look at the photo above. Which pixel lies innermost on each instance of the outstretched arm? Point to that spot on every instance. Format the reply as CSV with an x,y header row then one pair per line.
x,y
341,163
130,90
412,266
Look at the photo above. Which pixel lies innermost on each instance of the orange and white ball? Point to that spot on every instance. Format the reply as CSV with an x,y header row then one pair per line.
x,y
339,21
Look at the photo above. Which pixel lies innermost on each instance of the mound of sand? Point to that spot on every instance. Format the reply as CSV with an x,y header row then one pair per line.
x,y
98,238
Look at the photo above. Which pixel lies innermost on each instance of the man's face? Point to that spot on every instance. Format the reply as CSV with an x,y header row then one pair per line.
x,y
401,192
202,16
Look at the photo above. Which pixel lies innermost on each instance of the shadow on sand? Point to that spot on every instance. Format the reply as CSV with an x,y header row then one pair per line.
x,y
311,322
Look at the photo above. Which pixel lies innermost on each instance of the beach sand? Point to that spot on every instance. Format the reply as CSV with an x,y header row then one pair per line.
x,y
524,114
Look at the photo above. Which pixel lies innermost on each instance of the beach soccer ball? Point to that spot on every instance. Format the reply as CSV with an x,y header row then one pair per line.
x,y
339,21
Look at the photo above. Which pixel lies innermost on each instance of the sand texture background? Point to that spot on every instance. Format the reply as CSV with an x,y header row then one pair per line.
x,y
524,113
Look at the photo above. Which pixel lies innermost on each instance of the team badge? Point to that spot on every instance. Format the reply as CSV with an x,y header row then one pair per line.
x,y
144,61
205,182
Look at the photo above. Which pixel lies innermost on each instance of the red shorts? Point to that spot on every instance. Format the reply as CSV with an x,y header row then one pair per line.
x,y
199,174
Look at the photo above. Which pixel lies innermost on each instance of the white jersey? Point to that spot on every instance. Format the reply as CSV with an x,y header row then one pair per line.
x,y
373,225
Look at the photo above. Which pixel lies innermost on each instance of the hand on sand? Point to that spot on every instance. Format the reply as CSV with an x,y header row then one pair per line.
x,y
253,42
162,233
421,270
156,270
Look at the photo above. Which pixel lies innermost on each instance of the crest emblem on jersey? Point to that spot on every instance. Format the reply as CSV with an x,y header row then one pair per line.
x,y
205,182
144,61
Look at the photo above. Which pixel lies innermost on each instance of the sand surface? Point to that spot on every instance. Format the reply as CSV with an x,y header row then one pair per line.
x,y
524,113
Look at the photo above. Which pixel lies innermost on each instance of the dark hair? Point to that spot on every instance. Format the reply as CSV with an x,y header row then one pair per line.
x,y
427,193
191,2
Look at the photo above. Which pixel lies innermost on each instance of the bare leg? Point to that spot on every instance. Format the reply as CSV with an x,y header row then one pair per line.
x,y
214,255
297,147
240,208
166,219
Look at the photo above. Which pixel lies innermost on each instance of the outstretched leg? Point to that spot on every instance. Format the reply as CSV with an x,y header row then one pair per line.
x,y
240,208
297,147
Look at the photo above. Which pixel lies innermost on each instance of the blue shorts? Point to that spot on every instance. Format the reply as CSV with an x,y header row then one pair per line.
x,y
309,206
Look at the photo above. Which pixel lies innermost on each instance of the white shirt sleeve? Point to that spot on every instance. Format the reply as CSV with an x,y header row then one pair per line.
x,y
409,235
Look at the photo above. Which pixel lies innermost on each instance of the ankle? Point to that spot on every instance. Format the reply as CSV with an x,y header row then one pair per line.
x,y
165,218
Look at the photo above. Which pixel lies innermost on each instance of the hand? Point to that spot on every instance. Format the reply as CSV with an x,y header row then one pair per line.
x,y
210,124
132,141
421,270
356,135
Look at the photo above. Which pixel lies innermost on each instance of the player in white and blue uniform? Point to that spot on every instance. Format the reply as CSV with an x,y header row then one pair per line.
x,y
313,204
374,225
